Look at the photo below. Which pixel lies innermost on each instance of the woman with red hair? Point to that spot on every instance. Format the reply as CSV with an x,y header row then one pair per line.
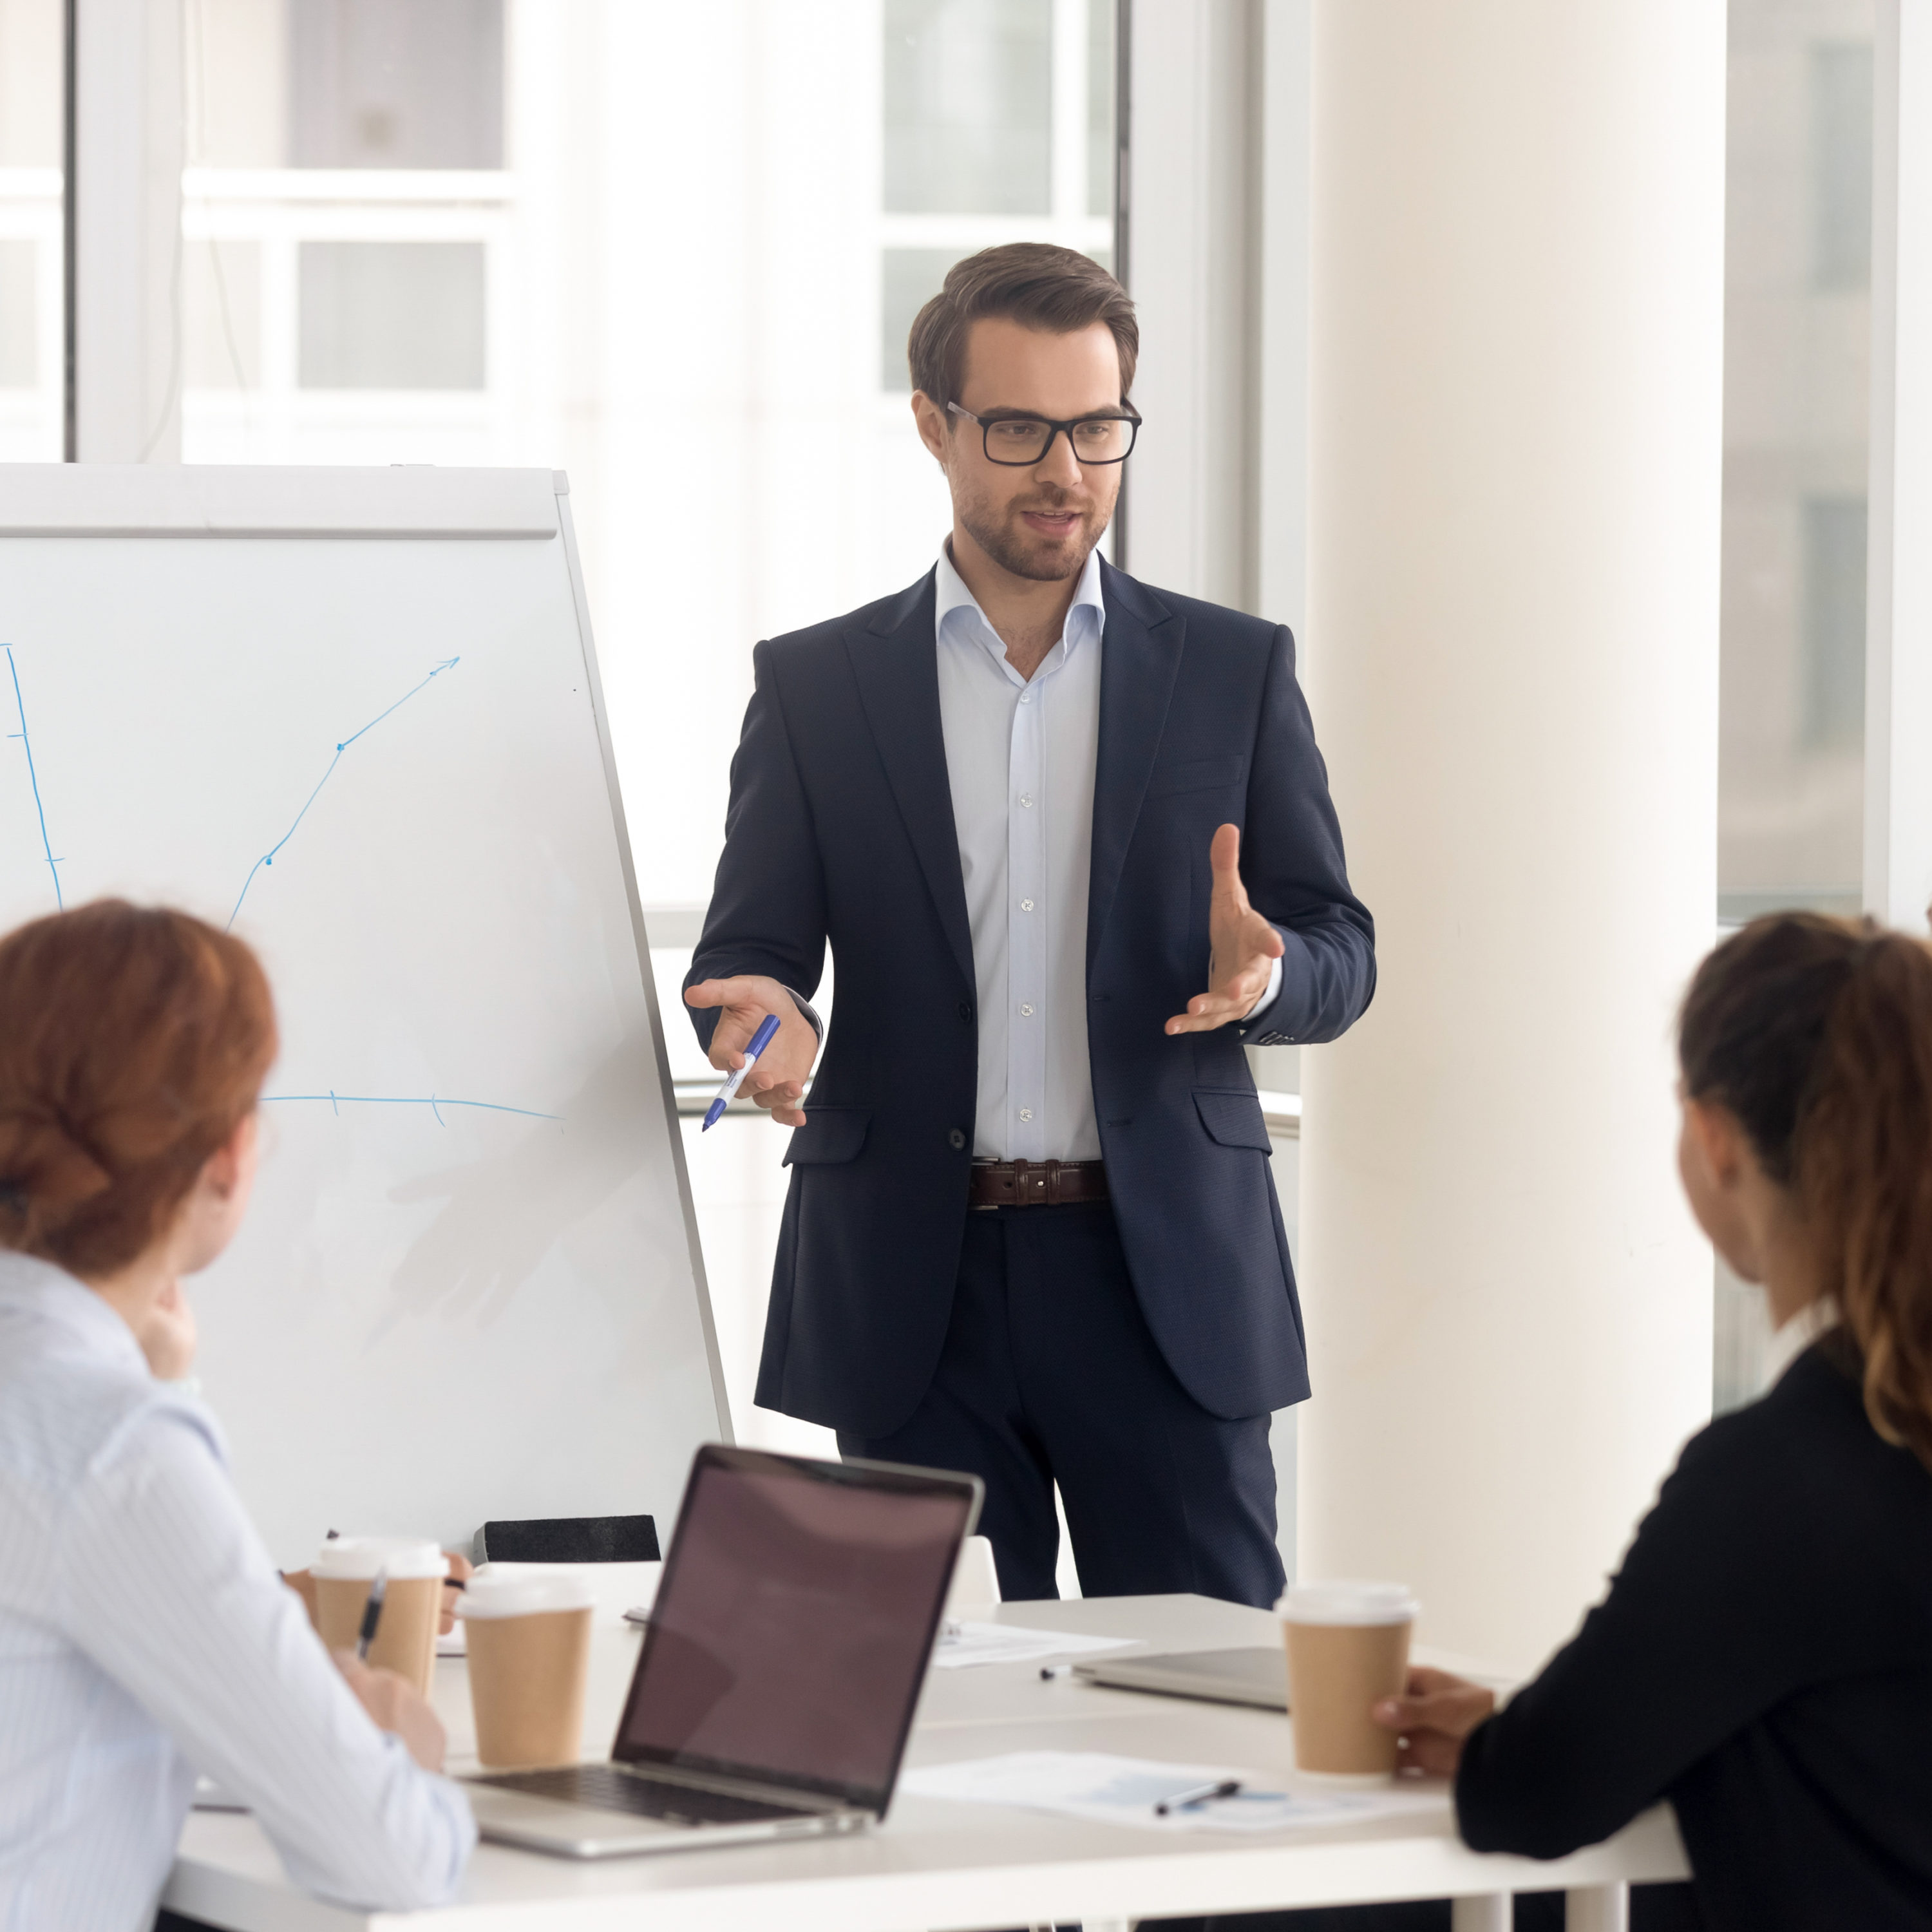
x,y
145,1635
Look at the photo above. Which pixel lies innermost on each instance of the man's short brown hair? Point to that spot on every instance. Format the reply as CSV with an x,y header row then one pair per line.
x,y
1033,284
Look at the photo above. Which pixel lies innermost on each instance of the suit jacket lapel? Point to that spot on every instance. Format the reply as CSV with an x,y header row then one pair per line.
x,y
1140,655
896,663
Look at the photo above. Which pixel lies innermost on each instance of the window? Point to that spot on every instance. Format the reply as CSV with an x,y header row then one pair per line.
x,y
1797,270
373,85
998,122
390,315
1797,330
673,250
31,354
343,202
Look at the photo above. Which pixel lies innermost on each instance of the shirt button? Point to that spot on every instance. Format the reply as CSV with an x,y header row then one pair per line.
x,y
1026,1113
966,1010
1026,905
1026,1013
1026,801
1026,698
954,1139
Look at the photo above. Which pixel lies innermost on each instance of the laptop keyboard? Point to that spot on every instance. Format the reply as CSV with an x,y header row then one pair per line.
x,y
605,1788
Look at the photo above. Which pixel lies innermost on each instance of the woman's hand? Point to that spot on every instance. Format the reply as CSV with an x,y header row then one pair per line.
x,y
166,1333
1433,1719
460,1571
392,1701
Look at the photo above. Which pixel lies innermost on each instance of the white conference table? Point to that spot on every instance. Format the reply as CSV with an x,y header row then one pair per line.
x,y
938,1867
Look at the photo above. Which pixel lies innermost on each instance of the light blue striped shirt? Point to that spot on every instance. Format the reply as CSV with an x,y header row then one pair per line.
x,y
144,1635
1020,756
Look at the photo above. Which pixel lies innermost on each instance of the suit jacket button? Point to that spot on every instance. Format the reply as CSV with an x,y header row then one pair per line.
x,y
966,1011
954,1139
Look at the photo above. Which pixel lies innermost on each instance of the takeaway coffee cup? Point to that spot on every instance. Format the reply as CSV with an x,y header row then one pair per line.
x,y
528,1633
1348,1649
344,1568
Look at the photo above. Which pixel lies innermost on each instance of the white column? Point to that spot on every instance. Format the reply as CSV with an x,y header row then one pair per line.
x,y
126,189
1516,379
1898,653
1193,145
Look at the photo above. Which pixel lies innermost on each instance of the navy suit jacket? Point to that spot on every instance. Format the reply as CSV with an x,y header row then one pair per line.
x,y
841,827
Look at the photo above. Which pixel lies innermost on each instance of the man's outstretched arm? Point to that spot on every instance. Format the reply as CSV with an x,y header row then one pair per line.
x,y
1281,891
764,934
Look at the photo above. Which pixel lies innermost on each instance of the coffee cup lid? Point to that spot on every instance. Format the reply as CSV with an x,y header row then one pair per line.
x,y
1347,1603
356,1558
525,1593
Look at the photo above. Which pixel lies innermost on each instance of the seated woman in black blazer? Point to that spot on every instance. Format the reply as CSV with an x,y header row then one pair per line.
x,y
1764,1657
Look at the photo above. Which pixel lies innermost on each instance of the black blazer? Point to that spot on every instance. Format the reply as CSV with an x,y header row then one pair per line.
x,y
841,828
1764,1661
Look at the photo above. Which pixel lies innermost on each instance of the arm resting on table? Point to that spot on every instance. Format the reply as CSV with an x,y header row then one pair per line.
x,y
170,1592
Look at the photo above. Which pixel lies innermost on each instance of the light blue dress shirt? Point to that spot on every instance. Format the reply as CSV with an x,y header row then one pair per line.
x,y
145,1636
1020,759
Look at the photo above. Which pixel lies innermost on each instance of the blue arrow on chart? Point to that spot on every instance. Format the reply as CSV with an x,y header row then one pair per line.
x,y
435,1102
269,857
33,777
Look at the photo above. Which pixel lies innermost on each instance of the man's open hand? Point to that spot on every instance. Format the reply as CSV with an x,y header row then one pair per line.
x,y
1243,946
777,1082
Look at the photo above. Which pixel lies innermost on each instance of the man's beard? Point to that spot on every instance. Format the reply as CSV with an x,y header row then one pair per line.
x,y
1008,546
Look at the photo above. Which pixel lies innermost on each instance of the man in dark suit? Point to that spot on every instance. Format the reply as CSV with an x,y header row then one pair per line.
x,y
1034,805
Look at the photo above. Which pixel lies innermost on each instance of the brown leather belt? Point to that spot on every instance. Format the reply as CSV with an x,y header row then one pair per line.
x,y
1036,1184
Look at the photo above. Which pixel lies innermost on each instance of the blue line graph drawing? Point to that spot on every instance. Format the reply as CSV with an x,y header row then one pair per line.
x,y
269,857
34,777
435,1102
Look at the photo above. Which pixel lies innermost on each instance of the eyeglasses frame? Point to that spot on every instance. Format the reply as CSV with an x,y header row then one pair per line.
x,y
1053,430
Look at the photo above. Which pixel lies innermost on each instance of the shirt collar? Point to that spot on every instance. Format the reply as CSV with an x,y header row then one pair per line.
x,y
1790,1342
951,595
50,1293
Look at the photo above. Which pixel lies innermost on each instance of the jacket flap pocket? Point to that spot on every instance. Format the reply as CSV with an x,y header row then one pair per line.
x,y
1234,1119
1198,774
829,1135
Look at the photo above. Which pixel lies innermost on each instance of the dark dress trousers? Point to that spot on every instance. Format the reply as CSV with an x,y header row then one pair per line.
x,y
1764,1661
841,828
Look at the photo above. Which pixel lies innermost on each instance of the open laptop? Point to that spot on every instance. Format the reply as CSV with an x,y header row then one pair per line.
x,y
780,1668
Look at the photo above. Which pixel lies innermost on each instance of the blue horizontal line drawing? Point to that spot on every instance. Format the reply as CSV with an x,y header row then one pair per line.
x,y
433,1102
269,857
33,778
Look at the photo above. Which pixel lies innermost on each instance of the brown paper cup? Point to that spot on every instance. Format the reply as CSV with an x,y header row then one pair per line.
x,y
344,1569
405,1639
1348,1649
527,1679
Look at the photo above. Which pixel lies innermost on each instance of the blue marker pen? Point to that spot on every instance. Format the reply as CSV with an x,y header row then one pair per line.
x,y
768,1028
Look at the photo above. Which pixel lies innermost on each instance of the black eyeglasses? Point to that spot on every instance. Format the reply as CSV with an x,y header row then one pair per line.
x,y
1020,441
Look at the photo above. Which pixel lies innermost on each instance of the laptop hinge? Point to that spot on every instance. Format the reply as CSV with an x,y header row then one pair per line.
x,y
730,1785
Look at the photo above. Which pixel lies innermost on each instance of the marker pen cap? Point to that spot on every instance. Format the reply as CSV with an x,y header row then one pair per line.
x,y
1347,1603
524,1593
357,1559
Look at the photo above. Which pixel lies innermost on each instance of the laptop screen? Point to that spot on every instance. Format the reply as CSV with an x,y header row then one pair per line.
x,y
791,1630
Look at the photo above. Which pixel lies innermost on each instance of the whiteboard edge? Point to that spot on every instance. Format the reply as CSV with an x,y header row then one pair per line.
x,y
720,1395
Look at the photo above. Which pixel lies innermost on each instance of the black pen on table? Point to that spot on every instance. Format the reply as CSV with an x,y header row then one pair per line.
x,y
372,1614
1222,1787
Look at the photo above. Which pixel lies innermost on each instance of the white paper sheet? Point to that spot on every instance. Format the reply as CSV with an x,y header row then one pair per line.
x,y
961,1645
1111,1790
